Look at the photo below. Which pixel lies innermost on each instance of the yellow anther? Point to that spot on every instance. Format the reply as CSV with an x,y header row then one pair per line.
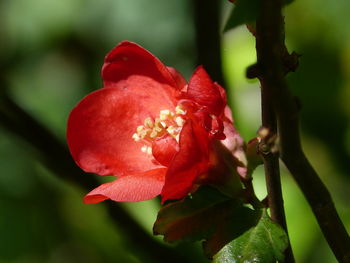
x,y
158,125
144,148
171,130
167,123
142,133
153,134
157,122
158,129
164,115
139,128
136,137
180,110
179,121
149,150
148,122
165,112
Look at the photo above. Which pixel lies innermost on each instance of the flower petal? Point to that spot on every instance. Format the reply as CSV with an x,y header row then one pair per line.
x,y
190,162
222,92
234,143
164,149
179,79
205,92
132,188
128,59
101,126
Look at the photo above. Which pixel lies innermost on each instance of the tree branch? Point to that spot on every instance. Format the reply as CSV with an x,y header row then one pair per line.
x,y
271,160
317,195
208,40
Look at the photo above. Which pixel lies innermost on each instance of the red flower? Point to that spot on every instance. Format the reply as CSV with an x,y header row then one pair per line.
x,y
153,131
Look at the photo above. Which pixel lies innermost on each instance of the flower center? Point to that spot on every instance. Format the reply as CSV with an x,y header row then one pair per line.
x,y
168,122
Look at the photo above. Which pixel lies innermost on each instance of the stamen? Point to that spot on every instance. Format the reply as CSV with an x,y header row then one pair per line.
x,y
140,128
149,150
168,122
158,129
142,134
163,115
136,137
179,121
144,148
153,134
179,110
158,123
171,130
148,122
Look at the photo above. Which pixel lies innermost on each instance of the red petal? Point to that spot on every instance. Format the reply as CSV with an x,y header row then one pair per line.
x,y
165,149
101,126
202,90
217,129
222,93
202,116
179,79
212,124
128,59
132,188
235,144
228,113
190,162
233,139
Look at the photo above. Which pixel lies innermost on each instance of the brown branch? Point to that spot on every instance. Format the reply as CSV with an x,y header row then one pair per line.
x,y
54,155
208,40
271,159
270,63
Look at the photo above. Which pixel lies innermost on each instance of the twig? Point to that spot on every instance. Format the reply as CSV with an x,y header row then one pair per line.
x,y
271,37
271,165
208,40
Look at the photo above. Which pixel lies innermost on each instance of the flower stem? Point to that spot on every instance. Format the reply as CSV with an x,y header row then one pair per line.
x,y
271,160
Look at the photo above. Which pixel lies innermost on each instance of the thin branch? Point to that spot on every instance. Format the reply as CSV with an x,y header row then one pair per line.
x,y
56,157
270,64
208,40
271,164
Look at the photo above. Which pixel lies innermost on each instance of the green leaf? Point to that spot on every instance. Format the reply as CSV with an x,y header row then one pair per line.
x,y
263,243
207,215
287,2
245,11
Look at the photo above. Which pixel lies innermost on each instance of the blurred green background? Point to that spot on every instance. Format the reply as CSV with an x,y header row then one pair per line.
x,y
51,52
